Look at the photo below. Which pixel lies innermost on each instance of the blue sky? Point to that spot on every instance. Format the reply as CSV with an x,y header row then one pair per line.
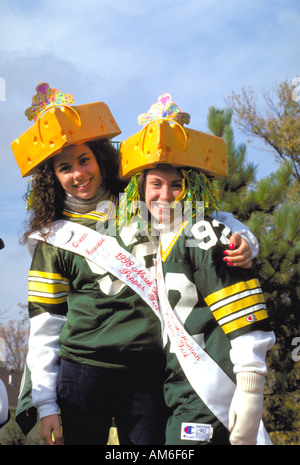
x,y
127,53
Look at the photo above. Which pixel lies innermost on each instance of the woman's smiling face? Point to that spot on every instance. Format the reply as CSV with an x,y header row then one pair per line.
x,y
78,172
162,188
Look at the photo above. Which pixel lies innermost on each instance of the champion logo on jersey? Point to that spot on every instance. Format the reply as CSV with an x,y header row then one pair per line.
x,y
196,432
189,429
251,318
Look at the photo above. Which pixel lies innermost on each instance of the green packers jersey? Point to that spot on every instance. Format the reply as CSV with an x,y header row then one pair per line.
x,y
215,304
81,312
107,323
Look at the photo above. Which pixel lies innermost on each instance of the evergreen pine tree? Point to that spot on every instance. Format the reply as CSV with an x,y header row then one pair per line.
x,y
270,209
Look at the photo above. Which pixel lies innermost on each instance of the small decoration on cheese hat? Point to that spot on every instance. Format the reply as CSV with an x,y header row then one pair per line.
x,y
165,109
45,98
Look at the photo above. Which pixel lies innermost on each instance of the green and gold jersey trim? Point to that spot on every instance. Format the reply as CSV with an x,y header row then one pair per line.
x,y
165,253
237,306
49,288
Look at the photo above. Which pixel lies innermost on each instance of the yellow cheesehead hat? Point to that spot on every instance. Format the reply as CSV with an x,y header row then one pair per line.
x,y
163,139
57,124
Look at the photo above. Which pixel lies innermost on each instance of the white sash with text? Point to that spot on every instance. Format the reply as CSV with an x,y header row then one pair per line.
x,y
104,251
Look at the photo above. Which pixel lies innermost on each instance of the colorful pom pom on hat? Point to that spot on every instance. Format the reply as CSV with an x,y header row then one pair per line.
x,y
58,124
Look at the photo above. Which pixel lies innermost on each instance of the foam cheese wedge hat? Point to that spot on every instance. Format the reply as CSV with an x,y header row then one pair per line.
x,y
57,124
163,139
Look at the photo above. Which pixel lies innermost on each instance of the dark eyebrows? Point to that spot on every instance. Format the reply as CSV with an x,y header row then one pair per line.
x,y
83,154
62,164
155,178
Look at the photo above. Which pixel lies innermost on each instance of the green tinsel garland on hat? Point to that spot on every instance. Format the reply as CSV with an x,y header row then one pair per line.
x,y
199,188
129,203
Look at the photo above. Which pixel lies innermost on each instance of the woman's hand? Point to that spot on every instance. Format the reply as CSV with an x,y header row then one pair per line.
x,y
51,430
241,256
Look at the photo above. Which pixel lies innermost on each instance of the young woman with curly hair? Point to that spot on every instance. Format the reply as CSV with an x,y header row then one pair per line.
x,y
47,197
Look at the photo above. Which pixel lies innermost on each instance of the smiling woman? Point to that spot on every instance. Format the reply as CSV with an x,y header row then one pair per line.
x,y
78,172
87,171
162,189
216,331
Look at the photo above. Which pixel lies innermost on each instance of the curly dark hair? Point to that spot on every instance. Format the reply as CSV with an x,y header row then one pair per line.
x,y
47,195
